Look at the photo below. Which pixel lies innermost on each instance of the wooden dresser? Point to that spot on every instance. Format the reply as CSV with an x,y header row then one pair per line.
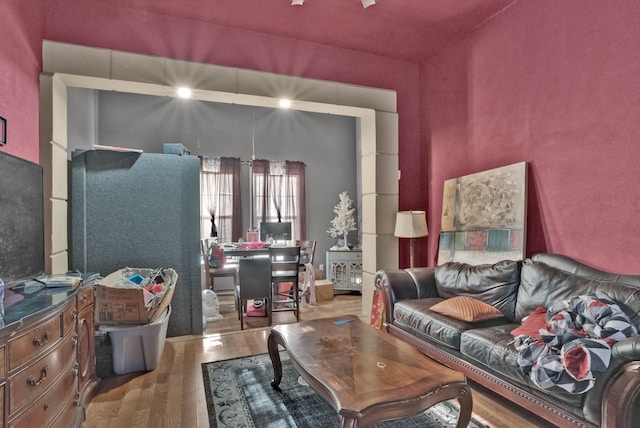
x,y
47,358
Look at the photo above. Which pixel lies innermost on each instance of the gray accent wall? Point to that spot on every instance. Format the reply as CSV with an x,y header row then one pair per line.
x,y
140,211
326,143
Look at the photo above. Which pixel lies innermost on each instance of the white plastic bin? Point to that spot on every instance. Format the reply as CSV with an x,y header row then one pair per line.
x,y
138,348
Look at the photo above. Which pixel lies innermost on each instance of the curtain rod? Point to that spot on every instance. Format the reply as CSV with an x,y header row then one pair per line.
x,y
249,162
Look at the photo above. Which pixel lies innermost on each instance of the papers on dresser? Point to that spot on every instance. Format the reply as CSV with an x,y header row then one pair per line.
x,y
55,281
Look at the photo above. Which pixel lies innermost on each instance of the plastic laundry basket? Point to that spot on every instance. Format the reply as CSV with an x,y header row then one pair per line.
x,y
138,348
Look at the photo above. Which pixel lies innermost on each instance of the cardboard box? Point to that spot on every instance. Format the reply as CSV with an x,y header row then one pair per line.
x,y
115,305
324,289
175,149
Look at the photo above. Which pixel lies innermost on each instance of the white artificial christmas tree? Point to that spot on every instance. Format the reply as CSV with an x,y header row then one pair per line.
x,y
344,222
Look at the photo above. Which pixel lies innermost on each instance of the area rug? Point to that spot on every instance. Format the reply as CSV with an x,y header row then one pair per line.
x,y
239,394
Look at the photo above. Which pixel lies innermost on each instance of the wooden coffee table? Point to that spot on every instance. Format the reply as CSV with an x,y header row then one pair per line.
x,y
365,374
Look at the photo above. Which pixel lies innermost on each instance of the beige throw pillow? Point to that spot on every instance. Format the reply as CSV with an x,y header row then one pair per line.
x,y
466,309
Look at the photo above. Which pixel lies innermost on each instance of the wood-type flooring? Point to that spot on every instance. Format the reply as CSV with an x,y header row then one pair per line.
x,y
173,394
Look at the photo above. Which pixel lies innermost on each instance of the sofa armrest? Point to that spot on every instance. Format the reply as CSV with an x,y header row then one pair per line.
x,y
626,350
616,393
404,284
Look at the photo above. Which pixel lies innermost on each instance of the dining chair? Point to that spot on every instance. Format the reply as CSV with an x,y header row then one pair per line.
x,y
229,270
285,265
254,284
307,251
306,276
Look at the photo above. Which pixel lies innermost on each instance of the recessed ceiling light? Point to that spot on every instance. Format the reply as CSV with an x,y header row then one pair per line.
x,y
184,92
285,103
367,3
297,2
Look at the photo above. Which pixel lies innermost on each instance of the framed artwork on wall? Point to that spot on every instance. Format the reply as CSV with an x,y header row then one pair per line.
x,y
3,131
484,216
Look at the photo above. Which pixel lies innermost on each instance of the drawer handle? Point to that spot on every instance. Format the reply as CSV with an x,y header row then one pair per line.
x,y
38,342
46,406
83,299
74,314
31,381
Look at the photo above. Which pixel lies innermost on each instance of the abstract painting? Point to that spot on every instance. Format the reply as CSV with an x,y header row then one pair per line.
x,y
484,216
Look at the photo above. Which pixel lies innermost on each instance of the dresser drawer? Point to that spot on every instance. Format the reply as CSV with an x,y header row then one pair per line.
x,y
2,393
341,256
85,297
43,411
30,383
3,373
69,319
34,342
71,416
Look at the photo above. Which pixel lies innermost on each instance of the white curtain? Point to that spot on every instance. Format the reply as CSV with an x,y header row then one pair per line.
x,y
218,188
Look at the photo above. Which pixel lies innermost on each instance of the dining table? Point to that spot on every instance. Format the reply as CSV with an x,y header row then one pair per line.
x,y
250,249
234,250
243,251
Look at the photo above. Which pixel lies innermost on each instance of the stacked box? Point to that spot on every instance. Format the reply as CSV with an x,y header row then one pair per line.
x,y
324,289
175,149
133,305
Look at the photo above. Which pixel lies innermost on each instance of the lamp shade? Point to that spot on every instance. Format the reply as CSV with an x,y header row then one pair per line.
x,y
411,224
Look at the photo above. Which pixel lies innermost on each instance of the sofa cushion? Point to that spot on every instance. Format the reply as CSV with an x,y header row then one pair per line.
x,y
496,285
544,285
467,309
416,317
492,349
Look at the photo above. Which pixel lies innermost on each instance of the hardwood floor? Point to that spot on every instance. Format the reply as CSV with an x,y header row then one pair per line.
x,y
173,395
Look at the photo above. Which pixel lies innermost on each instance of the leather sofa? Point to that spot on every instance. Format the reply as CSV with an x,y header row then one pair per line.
x,y
484,351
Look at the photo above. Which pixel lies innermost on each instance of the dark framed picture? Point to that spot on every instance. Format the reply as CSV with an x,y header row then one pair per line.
x,y
3,131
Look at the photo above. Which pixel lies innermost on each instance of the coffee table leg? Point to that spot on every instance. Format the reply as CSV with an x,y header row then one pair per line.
x,y
347,422
466,406
275,361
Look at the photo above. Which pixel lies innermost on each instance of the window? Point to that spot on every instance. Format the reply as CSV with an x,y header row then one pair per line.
x,y
278,194
220,204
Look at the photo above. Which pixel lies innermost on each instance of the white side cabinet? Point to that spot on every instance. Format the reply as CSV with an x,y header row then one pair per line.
x,y
344,268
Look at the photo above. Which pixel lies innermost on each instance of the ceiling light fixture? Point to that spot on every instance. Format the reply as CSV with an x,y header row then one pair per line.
x,y
297,2
184,92
285,103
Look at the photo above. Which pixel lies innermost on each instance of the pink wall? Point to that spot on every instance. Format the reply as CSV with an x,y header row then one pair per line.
x,y
557,86
21,22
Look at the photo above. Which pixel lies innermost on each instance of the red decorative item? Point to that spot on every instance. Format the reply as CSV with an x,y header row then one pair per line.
x,y
377,309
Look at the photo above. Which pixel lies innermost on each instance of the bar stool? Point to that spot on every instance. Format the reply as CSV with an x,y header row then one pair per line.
x,y
228,271
285,262
255,283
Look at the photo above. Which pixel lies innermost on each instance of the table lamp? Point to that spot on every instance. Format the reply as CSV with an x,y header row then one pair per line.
x,y
411,224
